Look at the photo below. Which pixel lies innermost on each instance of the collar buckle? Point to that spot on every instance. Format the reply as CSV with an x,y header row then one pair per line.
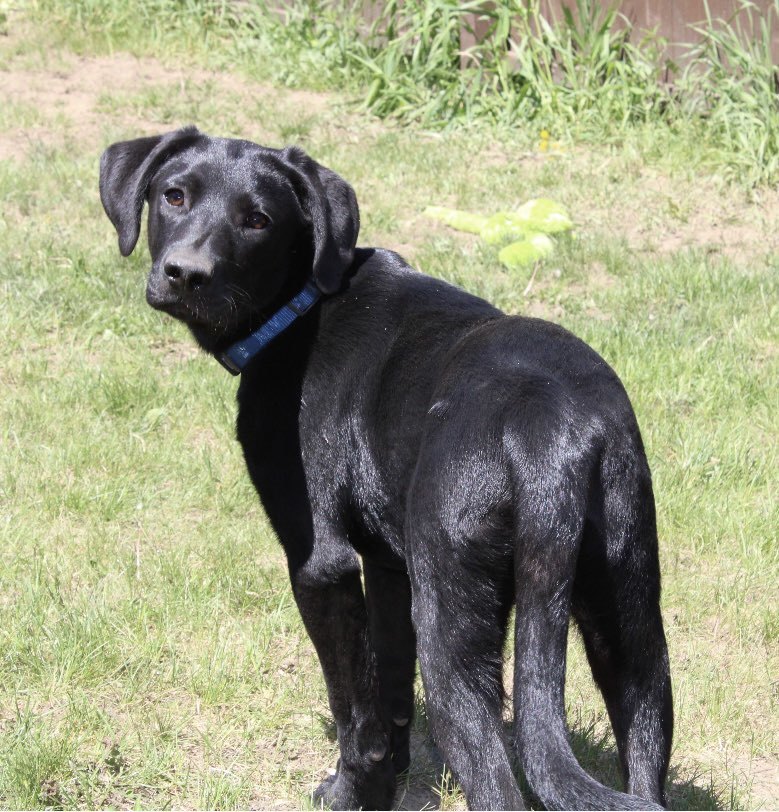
x,y
227,362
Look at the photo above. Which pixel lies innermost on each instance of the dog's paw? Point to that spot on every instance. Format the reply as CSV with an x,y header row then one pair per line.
x,y
325,794
352,788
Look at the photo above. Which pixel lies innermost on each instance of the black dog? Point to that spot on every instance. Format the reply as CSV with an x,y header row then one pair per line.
x,y
471,460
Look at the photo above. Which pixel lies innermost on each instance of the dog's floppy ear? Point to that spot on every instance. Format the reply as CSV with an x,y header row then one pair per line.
x,y
331,204
126,169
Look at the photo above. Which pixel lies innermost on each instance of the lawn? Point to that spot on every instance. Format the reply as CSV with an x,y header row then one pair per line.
x,y
150,652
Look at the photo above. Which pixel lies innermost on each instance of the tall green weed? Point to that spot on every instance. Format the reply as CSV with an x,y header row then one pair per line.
x,y
732,84
522,66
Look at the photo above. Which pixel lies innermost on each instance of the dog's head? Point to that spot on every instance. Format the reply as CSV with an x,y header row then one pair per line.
x,y
234,228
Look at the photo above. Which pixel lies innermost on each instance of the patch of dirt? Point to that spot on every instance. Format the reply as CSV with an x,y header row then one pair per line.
x,y
763,773
65,102
758,774
70,94
659,214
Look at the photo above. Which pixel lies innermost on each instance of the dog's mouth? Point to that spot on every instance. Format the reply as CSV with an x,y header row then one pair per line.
x,y
220,313
177,306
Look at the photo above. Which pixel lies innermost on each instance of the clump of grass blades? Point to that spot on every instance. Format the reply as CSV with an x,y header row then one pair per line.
x,y
584,68
523,65
412,59
732,83
117,25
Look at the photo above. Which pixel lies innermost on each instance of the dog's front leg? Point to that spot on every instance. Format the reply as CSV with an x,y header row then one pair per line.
x,y
329,595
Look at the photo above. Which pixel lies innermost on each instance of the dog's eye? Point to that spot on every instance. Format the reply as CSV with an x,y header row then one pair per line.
x,y
175,197
256,219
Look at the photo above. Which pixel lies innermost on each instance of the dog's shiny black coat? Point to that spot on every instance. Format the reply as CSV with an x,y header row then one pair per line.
x,y
468,460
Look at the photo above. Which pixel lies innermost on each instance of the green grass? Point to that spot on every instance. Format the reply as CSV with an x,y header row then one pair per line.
x,y
150,651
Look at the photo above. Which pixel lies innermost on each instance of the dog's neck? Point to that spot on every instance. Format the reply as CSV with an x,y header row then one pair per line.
x,y
219,339
239,354
238,348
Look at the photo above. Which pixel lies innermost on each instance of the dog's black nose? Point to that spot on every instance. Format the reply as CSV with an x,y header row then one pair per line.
x,y
187,272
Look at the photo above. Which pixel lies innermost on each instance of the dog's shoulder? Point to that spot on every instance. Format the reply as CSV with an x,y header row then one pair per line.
x,y
384,282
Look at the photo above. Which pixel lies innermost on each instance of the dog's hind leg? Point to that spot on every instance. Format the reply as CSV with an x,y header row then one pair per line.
x,y
460,565
388,595
460,657
616,603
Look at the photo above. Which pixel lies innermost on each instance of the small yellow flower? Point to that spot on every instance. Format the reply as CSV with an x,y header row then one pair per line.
x,y
547,145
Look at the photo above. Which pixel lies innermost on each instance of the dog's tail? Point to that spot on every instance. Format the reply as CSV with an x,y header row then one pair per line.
x,y
548,762
551,525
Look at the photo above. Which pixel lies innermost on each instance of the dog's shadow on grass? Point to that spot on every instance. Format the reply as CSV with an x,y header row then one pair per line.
x,y
428,785
598,756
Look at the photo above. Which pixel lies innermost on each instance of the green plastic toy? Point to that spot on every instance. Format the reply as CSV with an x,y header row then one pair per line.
x,y
461,220
521,234
526,252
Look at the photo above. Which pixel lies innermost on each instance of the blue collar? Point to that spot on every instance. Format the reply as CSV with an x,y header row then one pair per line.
x,y
236,357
